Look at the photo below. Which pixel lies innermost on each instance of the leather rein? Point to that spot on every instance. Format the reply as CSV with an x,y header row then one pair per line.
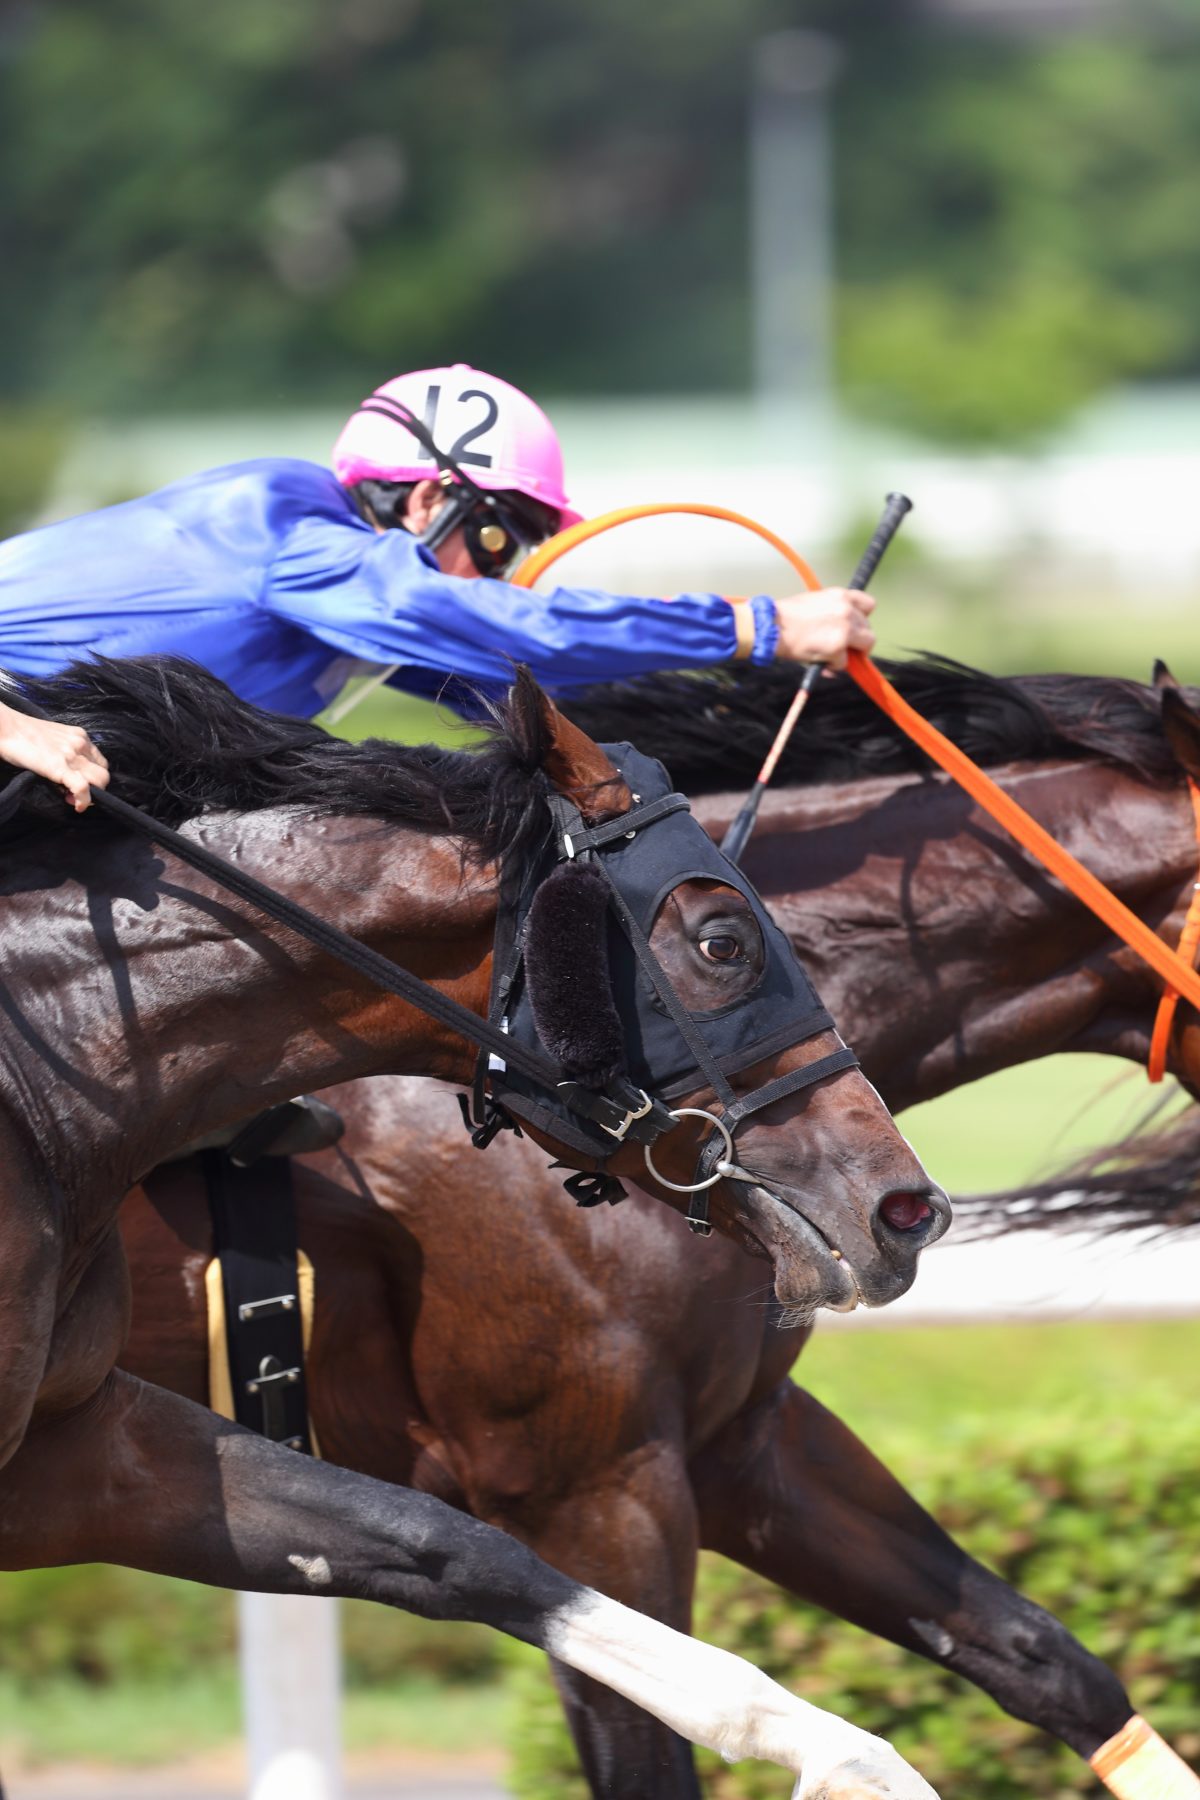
x,y
1189,942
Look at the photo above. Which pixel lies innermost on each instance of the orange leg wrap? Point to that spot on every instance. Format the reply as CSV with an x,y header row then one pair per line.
x,y
1136,1764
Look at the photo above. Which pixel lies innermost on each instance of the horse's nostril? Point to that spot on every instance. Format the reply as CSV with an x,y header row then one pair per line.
x,y
904,1212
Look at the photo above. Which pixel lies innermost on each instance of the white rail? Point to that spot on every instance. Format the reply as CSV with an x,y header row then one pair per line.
x,y
291,1696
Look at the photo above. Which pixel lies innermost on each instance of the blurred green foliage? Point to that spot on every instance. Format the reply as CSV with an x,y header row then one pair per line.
x,y
32,440
1099,1526
101,1624
280,204
95,1624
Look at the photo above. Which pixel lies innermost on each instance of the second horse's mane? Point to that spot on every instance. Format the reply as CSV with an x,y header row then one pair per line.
x,y
713,731
180,743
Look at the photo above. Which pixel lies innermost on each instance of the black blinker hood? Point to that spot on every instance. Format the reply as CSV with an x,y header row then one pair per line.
x,y
639,1021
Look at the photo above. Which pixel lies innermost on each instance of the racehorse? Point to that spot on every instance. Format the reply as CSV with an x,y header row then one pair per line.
x,y
143,1006
616,1395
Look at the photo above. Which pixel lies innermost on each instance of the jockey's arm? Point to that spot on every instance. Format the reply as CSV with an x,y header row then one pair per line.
x,y
62,753
383,598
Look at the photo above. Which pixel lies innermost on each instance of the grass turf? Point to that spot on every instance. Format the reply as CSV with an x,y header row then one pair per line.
x,y
144,1723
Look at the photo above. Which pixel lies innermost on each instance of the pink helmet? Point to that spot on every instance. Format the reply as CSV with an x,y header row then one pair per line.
x,y
502,441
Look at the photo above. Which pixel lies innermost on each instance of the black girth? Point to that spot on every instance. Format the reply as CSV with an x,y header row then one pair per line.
x,y
254,1236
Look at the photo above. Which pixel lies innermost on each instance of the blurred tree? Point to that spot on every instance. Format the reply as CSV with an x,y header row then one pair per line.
x,y
278,204
1017,224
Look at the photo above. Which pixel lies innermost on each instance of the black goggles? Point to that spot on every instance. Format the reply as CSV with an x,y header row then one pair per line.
x,y
497,532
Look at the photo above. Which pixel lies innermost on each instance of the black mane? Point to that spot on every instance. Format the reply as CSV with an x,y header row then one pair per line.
x,y
180,743
713,731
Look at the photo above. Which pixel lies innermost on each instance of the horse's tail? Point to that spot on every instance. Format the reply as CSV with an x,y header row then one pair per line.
x,y
1149,1181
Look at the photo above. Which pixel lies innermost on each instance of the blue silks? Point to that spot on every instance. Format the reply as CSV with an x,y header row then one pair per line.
x,y
264,572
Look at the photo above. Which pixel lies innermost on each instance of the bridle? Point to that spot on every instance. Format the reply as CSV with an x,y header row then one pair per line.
x,y
1189,942
635,856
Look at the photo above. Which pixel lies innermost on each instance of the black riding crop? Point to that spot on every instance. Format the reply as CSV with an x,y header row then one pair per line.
x,y
738,835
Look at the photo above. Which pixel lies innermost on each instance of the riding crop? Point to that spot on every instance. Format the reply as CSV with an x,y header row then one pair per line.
x,y
738,835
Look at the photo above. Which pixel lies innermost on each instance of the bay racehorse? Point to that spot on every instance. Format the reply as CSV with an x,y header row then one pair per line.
x,y
617,1395
141,1006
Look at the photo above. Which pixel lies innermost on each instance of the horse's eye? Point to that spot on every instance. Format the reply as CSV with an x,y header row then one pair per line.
x,y
723,949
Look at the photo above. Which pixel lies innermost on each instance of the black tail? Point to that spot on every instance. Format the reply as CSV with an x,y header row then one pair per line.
x,y
1150,1181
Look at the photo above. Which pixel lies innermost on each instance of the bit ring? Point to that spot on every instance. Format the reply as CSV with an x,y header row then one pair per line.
x,y
694,1187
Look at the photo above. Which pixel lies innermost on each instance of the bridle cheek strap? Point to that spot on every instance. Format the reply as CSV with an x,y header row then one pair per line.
x,y
1189,942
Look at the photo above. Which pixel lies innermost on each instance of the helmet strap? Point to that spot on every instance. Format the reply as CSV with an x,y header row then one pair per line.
x,y
462,494
404,415
451,513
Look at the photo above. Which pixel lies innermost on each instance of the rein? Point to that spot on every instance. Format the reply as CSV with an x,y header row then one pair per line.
x,y
330,938
1173,966
1189,941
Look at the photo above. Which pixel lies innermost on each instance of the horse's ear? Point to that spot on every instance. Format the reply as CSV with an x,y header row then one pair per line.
x,y
1162,676
1181,723
579,768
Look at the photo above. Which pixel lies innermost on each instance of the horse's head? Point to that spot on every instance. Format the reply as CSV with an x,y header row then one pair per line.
x,y
652,969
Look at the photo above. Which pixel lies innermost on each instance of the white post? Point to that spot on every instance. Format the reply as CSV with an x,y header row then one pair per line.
x,y
291,1696
791,230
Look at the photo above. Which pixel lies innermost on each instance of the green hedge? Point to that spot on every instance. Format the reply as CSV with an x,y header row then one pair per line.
x,y
1099,1526
102,1625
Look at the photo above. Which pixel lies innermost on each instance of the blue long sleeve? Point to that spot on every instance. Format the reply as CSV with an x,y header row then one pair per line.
x,y
384,599
265,574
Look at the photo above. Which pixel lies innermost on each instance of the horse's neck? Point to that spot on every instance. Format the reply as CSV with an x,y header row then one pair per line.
x,y
942,949
173,1008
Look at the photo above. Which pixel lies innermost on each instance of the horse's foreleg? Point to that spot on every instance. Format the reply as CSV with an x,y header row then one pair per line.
x,y
143,1478
789,1491
632,1534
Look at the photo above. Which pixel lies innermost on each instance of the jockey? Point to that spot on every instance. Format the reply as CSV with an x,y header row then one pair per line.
x,y
285,579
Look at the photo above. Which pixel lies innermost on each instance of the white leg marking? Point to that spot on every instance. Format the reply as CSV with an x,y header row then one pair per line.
x,y
716,1699
934,1636
315,1570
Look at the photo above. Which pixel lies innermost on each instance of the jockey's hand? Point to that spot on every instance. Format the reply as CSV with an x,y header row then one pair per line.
x,y
62,753
822,626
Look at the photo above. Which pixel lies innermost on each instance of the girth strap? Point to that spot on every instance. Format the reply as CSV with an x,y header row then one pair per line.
x,y
254,1236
